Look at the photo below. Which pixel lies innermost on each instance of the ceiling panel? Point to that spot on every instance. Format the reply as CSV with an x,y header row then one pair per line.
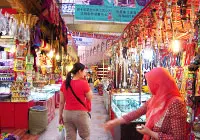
x,y
89,26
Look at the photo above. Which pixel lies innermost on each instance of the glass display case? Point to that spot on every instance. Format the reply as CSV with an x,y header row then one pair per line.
x,y
44,93
106,97
121,104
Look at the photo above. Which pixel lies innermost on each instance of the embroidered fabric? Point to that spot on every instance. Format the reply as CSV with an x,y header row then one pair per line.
x,y
160,122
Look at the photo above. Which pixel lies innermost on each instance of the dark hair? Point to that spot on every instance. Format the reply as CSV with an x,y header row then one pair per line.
x,y
75,69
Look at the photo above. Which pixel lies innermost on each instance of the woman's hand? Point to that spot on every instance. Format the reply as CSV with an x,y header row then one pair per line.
x,y
143,130
110,124
61,121
146,131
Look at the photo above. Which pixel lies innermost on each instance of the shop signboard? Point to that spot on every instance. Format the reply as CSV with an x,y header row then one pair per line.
x,y
67,7
108,10
83,41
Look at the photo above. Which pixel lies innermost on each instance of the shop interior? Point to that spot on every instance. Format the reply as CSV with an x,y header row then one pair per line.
x,y
37,50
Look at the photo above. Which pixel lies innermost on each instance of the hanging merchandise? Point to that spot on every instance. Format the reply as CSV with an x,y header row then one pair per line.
x,y
190,83
164,34
45,46
37,37
50,11
197,86
190,52
21,52
29,67
197,29
183,81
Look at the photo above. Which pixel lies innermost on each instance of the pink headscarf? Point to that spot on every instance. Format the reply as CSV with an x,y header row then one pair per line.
x,y
164,90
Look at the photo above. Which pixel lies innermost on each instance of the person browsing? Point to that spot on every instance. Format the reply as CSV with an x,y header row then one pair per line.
x,y
72,112
165,111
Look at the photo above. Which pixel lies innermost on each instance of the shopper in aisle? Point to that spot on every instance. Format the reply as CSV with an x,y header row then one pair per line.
x,y
97,82
75,100
89,78
165,111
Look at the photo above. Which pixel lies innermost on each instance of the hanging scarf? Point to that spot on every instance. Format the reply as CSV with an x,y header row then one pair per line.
x,y
164,90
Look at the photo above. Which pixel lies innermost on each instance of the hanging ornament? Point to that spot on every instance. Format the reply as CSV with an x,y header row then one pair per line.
x,y
168,21
183,8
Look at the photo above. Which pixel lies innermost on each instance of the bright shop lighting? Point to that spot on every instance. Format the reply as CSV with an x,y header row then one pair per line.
x,y
176,46
148,54
57,57
69,67
108,68
50,54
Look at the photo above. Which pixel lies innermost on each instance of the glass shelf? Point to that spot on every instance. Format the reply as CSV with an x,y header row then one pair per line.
x,y
123,103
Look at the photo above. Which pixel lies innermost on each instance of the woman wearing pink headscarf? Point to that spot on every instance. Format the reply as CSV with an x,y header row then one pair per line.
x,y
165,111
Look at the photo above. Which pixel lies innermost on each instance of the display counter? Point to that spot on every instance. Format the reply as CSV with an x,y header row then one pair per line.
x,y
49,103
121,104
106,98
46,96
14,115
56,89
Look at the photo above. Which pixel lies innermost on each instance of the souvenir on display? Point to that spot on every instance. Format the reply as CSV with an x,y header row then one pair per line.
x,y
29,59
179,76
183,8
197,86
12,27
168,14
37,36
190,83
190,53
20,91
21,32
21,51
19,65
183,81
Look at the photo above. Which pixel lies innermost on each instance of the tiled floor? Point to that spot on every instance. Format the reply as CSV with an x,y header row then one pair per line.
x,y
99,116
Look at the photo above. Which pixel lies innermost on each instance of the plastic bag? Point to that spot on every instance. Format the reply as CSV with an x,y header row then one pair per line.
x,y
62,133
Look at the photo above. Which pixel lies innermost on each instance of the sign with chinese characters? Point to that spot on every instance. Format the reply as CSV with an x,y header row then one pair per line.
x,y
108,10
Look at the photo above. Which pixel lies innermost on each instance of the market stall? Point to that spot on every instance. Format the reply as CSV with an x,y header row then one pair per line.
x,y
30,43
163,34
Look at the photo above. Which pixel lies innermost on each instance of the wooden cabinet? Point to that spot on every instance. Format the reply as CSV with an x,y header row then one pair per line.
x,y
14,114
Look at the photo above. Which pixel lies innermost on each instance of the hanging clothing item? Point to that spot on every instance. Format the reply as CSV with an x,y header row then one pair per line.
x,y
37,37
164,90
190,52
50,12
